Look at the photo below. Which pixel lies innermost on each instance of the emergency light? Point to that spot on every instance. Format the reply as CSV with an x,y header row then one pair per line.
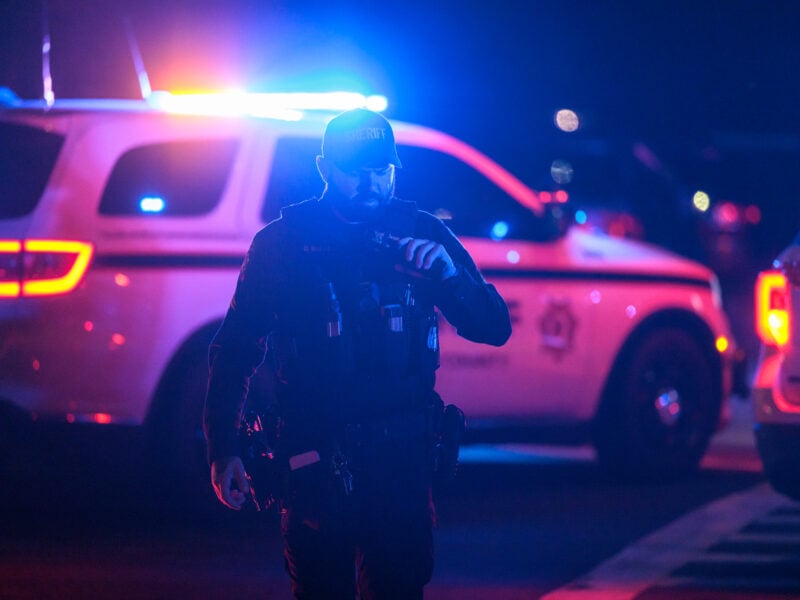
x,y
283,106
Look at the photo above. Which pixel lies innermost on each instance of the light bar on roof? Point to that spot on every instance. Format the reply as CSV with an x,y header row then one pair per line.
x,y
284,106
333,101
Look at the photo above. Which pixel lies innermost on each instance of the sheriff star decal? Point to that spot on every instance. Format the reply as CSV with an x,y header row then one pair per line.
x,y
557,327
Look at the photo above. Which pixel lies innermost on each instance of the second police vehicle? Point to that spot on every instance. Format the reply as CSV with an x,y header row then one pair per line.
x,y
776,381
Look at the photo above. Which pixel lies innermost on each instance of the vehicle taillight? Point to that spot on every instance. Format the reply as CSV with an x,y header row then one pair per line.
x,y
42,267
773,308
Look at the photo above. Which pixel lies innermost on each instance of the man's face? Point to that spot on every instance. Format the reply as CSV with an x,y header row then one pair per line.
x,y
359,194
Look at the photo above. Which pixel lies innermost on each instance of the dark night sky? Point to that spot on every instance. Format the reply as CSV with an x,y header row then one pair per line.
x,y
688,76
645,67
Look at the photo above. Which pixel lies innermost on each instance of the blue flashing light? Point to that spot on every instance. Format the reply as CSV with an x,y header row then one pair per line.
x,y
499,230
580,217
152,204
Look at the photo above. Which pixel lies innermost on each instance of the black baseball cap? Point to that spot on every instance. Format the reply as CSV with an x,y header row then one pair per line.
x,y
358,139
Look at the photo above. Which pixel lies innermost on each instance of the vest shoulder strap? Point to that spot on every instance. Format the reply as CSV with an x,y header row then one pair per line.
x,y
401,218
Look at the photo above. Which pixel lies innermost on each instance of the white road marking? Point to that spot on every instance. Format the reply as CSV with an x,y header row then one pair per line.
x,y
652,558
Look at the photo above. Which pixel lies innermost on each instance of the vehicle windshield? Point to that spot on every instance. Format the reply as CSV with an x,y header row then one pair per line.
x,y
618,188
27,156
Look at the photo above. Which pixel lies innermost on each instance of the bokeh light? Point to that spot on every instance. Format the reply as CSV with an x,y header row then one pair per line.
x,y
499,230
561,171
726,216
567,120
701,201
752,214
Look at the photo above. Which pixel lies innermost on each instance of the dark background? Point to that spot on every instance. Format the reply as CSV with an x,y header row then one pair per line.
x,y
710,88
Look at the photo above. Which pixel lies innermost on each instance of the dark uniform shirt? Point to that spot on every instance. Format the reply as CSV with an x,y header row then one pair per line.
x,y
301,269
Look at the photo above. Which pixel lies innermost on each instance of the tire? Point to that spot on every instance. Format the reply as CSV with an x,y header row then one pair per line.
x,y
175,442
660,408
176,445
778,446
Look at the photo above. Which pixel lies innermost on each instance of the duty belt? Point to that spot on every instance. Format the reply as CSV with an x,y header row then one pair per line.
x,y
417,425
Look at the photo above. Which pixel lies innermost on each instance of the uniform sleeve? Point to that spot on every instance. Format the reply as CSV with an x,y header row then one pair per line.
x,y
239,346
467,301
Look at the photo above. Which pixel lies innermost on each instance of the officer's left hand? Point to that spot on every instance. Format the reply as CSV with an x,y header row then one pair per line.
x,y
421,255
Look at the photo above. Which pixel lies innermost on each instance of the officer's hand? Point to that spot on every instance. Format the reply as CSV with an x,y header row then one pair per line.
x,y
224,471
422,255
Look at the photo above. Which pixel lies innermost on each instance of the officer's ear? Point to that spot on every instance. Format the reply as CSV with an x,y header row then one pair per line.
x,y
324,168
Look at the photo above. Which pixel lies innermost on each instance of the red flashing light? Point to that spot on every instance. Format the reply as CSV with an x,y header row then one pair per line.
x,y
42,267
773,308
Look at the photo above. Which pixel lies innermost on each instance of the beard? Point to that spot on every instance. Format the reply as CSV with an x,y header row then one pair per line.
x,y
362,207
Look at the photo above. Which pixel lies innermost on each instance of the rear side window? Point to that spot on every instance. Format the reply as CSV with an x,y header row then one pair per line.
x,y
173,179
27,156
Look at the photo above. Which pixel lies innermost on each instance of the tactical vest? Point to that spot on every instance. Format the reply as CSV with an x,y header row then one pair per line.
x,y
354,337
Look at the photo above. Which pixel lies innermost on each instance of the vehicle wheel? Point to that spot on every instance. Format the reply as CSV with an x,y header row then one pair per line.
x,y
779,448
660,408
784,480
175,441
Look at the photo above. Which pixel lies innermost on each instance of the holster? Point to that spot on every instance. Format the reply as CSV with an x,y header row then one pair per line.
x,y
266,473
448,433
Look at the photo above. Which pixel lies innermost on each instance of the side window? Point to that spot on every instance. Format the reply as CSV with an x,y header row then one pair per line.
x,y
173,179
469,203
293,176
27,156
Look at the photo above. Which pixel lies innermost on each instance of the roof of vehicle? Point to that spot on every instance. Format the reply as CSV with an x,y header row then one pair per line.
x,y
293,111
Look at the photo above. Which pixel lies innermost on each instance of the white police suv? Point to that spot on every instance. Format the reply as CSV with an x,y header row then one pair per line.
x,y
123,225
776,383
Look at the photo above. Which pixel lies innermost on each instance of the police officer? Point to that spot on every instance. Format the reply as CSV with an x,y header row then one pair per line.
x,y
339,293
